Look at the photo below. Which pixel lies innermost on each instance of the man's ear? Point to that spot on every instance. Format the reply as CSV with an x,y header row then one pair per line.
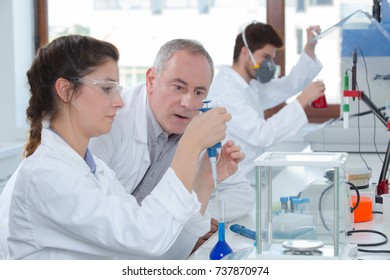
x,y
245,51
64,89
150,79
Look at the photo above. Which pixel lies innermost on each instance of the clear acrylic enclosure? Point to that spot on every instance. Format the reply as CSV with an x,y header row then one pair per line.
x,y
303,205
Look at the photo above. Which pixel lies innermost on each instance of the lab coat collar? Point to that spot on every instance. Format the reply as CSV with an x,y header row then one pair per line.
x,y
88,155
228,71
55,142
134,117
137,112
154,128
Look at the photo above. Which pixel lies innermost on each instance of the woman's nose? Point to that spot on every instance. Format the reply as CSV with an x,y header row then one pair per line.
x,y
118,101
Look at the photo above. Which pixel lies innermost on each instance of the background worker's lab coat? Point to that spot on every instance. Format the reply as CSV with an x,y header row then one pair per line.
x,y
125,150
61,210
247,102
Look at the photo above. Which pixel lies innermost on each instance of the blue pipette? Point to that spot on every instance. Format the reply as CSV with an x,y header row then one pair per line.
x,y
243,231
212,151
221,248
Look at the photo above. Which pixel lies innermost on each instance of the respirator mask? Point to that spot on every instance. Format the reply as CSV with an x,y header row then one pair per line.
x,y
264,72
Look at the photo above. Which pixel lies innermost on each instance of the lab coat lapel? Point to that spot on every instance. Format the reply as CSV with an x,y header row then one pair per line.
x,y
139,116
55,142
101,176
140,126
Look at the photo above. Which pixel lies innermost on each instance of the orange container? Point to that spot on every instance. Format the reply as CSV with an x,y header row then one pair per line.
x,y
363,213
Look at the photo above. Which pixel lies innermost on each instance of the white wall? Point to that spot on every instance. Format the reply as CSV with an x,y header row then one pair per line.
x,y
16,54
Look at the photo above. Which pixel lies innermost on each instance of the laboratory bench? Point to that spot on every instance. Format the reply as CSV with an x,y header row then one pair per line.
x,y
238,242
244,245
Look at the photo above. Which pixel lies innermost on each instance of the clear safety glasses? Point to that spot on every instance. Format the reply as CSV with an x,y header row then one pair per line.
x,y
108,88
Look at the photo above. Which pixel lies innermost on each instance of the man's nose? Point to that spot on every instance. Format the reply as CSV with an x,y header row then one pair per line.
x,y
188,101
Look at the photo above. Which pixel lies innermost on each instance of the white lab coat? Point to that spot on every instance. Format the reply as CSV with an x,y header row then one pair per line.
x,y
125,150
247,102
5,202
60,210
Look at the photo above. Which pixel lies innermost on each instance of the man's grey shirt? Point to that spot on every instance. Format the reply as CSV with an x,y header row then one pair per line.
x,y
161,148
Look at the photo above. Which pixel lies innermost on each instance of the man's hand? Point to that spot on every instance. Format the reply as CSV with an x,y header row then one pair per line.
x,y
310,46
227,164
204,238
313,91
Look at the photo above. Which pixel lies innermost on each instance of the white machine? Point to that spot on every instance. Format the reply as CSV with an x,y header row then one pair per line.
x,y
321,195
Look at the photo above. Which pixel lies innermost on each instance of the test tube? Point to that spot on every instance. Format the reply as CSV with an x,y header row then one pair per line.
x,y
284,203
291,202
305,205
297,205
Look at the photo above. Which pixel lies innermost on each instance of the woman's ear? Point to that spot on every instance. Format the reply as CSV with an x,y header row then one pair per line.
x,y
64,89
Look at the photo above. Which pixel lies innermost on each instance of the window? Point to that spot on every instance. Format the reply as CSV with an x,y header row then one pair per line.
x,y
174,18
139,27
301,5
107,4
299,41
16,54
321,2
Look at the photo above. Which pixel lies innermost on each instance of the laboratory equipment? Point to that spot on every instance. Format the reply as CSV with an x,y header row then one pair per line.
x,y
221,248
363,212
357,130
383,184
335,26
305,205
386,208
284,203
292,204
319,103
360,177
302,245
321,195
240,229
325,222
298,205
241,254
212,151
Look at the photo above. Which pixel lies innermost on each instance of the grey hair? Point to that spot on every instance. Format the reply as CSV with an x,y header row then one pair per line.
x,y
171,47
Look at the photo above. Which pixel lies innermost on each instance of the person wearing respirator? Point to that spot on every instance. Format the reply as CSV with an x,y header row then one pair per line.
x,y
248,87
